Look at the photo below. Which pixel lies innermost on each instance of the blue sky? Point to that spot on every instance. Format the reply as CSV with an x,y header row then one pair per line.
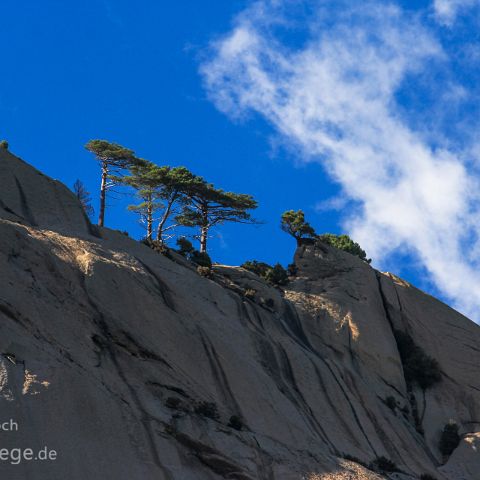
x,y
366,118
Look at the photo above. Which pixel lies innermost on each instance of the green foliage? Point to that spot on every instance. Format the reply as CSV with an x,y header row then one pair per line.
x,y
259,268
235,422
113,158
450,439
384,465
111,153
277,275
208,206
293,222
185,247
418,367
207,409
201,258
4,144
345,243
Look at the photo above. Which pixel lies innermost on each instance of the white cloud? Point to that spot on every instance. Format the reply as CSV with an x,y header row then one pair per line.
x,y
335,98
447,10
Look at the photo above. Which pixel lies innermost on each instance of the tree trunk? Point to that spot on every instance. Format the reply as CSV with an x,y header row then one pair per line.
x,y
103,192
149,220
164,219
203,239
204,230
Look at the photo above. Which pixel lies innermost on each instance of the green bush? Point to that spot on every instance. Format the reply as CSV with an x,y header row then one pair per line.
x,y
277,275
235,422
345,243
418,367
186,249
449,439
259,268
384,465
185,246
207,409
4,144
201,258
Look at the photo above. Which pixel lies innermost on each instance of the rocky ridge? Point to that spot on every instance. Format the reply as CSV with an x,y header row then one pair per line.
x,y
132,366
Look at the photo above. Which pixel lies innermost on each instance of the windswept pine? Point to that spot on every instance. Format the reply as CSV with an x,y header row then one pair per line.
x,y
294,223
209,206
113,159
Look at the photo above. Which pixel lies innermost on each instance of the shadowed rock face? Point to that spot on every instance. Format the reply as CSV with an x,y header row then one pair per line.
x,y
116,357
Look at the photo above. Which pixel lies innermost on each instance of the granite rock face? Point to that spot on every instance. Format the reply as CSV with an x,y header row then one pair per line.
x,y
132,366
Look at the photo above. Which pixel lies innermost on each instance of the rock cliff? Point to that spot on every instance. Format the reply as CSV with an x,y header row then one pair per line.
x,y
130,365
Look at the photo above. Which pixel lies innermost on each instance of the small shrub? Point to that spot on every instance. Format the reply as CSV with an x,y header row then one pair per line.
x,y
201,258
208,410
205,272
277,276
418,367
391,403
250,293
259,268
4,144
449,439
235,422
345,243
427,476
384,465
185,246
173,402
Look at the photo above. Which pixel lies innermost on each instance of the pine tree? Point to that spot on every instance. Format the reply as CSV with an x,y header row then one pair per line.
x,y
176,185
113,158
83,197
161,189
293,222
209,207
146,178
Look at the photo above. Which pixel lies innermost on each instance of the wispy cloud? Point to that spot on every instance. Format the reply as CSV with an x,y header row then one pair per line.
x,y
446,11
335,95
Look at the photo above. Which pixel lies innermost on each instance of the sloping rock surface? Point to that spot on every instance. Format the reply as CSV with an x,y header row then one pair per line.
x,y
131,366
